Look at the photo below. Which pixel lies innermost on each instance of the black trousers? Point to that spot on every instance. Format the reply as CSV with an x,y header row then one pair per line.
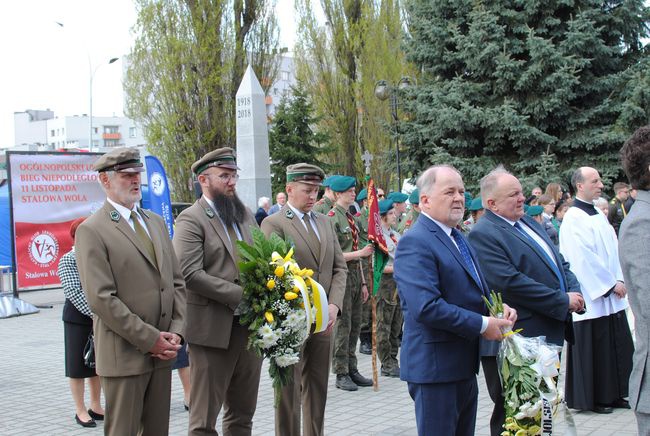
x,y
493,382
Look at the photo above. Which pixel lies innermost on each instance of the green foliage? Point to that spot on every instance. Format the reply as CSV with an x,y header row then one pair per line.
x,y
339,64
541,87
293,137
184,70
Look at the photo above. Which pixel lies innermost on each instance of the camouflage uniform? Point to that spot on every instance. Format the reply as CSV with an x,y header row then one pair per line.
x,y
324,205
409,219
346,336
389,314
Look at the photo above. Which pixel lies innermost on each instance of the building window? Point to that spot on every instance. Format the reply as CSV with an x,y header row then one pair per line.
x,y
63,131
111,129
132,132
52,132
111,142
275,91
95,129
284,75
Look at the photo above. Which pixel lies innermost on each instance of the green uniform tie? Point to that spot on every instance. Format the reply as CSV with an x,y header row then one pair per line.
x,y
144,237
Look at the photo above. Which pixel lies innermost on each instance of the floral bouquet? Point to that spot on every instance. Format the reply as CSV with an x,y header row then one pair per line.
x,y
279,305
528,368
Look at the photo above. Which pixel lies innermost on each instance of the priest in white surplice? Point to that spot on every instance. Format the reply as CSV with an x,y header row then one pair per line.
x,y
599,364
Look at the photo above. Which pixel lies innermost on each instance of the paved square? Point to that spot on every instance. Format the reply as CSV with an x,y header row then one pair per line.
x,y
35,398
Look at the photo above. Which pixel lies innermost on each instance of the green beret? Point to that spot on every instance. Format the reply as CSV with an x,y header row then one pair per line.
x,y
534,210
342,183
414,198
327,183
362,195
385,206
305,173
221,157
476,204
468,199
122,160
398,197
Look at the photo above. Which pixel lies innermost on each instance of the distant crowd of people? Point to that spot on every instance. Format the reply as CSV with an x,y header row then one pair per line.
x,y
553,256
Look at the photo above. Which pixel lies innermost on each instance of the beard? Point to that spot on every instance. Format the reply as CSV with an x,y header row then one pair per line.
x,y
230,208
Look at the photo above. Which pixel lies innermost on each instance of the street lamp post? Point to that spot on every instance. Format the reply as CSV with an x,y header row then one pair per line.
x,y
91,72
383,91
92,75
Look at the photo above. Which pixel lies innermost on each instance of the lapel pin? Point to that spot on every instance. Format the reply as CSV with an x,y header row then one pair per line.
x,y
209,212
289,213
115,215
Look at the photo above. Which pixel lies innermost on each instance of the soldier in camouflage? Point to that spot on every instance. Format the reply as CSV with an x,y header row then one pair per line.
x,y
365,337
412,215
344,360
326,203
399,204
389,312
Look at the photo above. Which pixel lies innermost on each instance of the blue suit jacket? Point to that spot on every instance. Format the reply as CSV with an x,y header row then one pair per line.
x,y
514,266
442,307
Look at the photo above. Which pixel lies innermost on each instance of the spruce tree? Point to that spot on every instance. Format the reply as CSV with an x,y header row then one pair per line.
x,y
292,138
518,82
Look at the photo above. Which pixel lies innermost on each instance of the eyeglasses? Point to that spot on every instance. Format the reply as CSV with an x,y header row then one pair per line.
x,y
380,195
226,178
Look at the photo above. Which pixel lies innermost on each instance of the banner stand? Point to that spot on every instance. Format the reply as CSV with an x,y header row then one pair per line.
x,y
13,306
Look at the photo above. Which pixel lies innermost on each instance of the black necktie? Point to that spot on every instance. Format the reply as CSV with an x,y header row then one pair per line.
x,y
541,250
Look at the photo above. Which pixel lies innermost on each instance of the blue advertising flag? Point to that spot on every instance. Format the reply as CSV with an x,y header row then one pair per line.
x,y
160,200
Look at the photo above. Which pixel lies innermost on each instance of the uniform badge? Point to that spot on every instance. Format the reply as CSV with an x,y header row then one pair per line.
x,y
115,215
330,213
289,213
209,212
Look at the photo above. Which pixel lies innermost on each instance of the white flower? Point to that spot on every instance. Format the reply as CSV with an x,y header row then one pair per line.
x,y
265,330
286,359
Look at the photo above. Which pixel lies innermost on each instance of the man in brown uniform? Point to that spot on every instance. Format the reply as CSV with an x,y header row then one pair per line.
x,y
135,289
316,248
223,371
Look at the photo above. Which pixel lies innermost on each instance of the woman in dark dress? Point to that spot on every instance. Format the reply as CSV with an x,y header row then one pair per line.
x,y
77,325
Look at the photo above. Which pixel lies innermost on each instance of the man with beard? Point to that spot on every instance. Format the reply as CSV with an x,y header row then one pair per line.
x,y
223,371
135,289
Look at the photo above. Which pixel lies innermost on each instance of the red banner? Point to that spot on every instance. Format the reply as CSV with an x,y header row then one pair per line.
x,y
48,192
375,233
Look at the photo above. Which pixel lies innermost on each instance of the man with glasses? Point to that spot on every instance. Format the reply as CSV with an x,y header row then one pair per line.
x,y
223,371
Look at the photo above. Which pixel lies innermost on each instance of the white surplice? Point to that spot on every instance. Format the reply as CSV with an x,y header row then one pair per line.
x,y
589,244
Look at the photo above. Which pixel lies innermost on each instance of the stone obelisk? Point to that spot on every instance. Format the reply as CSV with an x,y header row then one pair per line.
x,y
252,141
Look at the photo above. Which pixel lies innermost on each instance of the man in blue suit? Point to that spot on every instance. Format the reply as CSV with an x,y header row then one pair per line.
x,y
520,261
441,289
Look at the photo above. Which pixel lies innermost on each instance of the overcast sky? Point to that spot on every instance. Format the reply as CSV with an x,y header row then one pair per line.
x,y
46,66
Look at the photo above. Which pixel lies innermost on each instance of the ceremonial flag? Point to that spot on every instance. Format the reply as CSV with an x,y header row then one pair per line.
x,y
160,200
376,235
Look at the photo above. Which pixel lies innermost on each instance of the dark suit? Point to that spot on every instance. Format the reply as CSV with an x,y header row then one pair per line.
x,y
309,385
516,267
133,297
442,305
260,215
223,371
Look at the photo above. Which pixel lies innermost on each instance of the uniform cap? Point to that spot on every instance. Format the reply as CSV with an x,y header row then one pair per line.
x,y
398,197
476,204
122,160
414,198
468,199
305,173
362,195
385,206
328,180
534,210
342,183
221,157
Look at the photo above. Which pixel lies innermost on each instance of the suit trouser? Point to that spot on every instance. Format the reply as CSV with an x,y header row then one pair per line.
x,y
493,383
348,326
228,378
445,409
643,423
138,404
308,388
